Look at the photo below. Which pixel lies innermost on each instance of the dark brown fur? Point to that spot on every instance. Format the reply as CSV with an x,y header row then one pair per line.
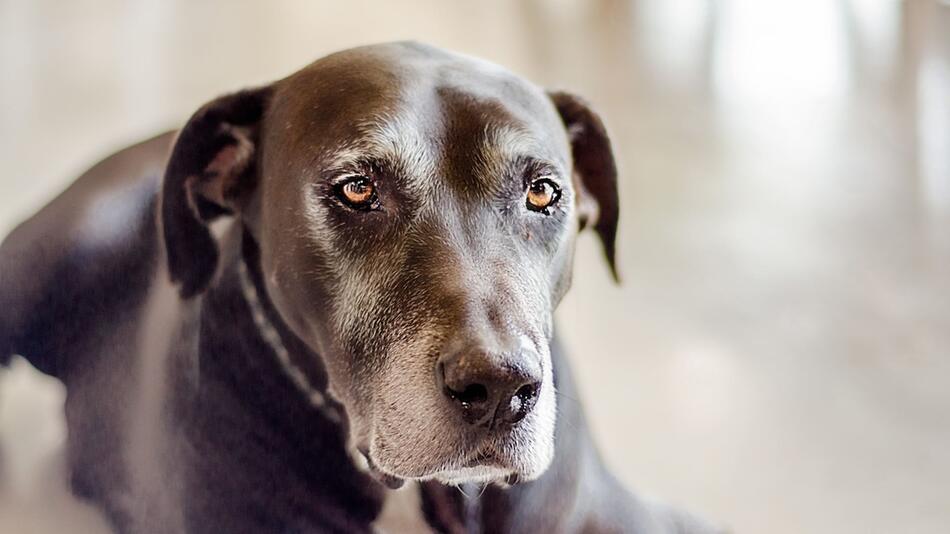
x,y
181,417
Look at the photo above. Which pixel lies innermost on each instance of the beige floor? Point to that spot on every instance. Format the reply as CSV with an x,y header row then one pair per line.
x,y
778,357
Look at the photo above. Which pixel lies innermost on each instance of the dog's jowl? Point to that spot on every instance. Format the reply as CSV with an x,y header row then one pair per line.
x,y
324,289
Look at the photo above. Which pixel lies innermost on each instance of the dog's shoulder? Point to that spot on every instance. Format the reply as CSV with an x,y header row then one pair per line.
x,y
77,260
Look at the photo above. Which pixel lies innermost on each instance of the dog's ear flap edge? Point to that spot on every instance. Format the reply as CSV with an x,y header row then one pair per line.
x,y
210,172
595,171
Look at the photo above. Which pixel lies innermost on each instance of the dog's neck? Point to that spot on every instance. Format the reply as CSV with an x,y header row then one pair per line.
x,y
262,429
262,312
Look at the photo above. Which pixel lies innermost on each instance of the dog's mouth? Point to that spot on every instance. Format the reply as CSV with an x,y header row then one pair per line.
x,y
481,467
386,479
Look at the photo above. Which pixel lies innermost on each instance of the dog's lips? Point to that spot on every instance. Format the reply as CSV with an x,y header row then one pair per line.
x,y
386,479
479,460
483,457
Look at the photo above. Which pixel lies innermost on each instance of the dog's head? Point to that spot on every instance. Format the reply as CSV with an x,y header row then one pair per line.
x,y
415,212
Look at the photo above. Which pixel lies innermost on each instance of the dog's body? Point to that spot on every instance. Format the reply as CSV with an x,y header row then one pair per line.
x,y
203,401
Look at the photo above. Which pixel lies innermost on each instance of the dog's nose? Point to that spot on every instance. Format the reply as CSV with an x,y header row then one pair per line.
x,y
491,389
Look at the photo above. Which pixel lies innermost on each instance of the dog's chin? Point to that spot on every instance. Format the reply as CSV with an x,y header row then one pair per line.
x,y
480,468
473,474
482,474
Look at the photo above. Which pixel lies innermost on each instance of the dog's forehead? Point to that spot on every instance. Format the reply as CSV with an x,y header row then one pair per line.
x,y
419,105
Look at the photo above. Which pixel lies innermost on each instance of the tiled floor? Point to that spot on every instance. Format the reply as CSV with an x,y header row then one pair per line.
x,y
778,357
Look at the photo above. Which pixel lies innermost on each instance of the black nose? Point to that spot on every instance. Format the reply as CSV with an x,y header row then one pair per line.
x,y
491,389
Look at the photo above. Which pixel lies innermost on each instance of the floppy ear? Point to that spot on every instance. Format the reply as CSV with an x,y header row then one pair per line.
x,y
595,173
211,172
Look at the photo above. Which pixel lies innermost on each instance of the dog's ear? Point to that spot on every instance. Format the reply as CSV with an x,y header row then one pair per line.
x,y
595,172
211,172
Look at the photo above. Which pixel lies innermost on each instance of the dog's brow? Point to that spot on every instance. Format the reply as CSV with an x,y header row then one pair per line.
x,y
510,141
393,140
505,145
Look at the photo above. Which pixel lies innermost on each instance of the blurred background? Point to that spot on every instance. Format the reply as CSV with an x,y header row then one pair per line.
x,y
778,355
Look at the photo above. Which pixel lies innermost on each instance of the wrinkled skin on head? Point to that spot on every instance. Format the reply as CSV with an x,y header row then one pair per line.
x,y
449,256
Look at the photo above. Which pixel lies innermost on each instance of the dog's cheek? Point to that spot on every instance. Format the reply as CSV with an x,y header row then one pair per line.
x,y
413,430
546,418
541,455
413,444
560,269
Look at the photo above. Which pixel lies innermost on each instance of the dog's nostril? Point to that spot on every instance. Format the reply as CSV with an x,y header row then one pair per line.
x,y
526,392
521,403
472,394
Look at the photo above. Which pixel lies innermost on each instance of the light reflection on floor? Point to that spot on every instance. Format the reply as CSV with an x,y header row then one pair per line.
x,y
777,357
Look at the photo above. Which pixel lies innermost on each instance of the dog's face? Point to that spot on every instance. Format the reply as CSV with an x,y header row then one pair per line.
x,y
415,212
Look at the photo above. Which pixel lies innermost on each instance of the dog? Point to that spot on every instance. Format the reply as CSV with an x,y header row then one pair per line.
x,y
321,289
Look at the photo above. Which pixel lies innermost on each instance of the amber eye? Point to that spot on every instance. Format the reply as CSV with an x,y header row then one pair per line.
x,y
357,192
542,194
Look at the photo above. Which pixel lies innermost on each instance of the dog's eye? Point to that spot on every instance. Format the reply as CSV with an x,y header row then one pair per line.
x,y
542,194
358,192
